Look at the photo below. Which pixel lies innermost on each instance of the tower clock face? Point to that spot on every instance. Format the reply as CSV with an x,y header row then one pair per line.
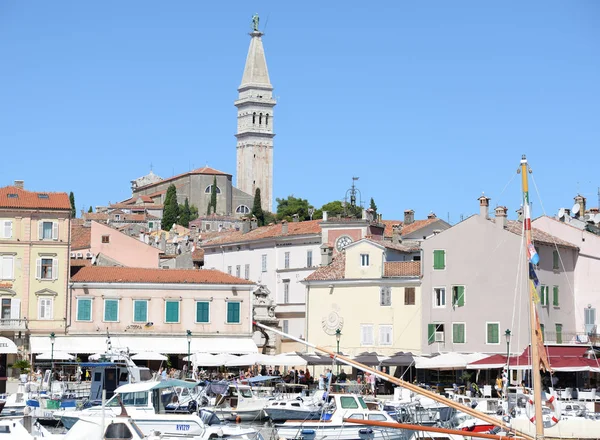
x,y
342,242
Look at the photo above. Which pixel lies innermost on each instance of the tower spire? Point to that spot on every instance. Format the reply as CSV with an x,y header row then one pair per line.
x,y
255,123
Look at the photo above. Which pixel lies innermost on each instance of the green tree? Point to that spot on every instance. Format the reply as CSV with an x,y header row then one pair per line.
x,y
212,206
171,209
373,206
257,210
184,217
286,208
193,212
336,209
90,210
72,200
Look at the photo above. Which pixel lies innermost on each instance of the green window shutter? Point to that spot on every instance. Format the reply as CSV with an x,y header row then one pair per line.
x,y
543,332
84,310
202,312
140,311
460,290
458,333
559,333
439,259
111,310
430,333
555,296
233,312
555,260
172,311
543,295
492,334
461,333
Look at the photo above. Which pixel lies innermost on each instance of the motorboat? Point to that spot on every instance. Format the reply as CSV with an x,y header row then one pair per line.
x,y
145,403
297,407
14,428
332,425
234,402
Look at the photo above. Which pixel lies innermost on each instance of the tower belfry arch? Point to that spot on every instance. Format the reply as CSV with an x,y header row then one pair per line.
x,y
255,133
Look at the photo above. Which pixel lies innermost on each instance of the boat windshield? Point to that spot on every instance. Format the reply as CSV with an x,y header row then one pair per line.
x,y
244,392
348,402
129,399
362,403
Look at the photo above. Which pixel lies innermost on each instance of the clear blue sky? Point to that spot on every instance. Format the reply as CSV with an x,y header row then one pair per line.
x,y
430,103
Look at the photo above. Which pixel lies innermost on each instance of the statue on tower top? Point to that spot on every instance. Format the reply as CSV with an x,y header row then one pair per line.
x,y
255,22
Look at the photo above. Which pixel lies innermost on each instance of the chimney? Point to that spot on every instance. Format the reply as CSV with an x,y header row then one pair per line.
x,y
296,218
19,184
163,242
501,212
326,254
520,214
365,216
324,216
431,215
409,217
284,227
567,212
253,223
245,226
397,234
579,200
484,205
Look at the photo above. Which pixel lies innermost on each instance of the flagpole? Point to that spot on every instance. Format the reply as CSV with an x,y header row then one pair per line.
x,y
533,322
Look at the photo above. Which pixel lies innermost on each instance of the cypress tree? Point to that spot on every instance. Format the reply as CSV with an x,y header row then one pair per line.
x,y
72,200
213,196
373,205
257,210
184,218
90,210
171,209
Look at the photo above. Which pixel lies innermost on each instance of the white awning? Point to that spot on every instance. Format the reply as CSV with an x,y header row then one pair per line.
x,y
7,346
57,356
447,361
143,343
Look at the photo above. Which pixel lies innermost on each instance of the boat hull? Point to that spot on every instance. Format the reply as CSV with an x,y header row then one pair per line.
x,y
281,415
348,431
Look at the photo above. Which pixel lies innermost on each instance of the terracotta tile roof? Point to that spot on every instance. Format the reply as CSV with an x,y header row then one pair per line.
x,y
81,237
272,231
335,271
133,206
406,229
402,247
402,269
203,170
538,236
13,197
106,274
198,255
80,262
95,216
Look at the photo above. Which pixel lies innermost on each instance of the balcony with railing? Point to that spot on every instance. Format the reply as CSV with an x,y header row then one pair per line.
x,y
9,324
572,338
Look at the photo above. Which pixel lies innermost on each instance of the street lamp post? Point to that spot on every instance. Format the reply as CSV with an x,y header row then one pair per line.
x,y
507,335
189,339
338,335
52,338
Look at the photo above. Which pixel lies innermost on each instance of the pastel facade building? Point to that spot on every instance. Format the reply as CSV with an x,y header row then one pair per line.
x,y
145,309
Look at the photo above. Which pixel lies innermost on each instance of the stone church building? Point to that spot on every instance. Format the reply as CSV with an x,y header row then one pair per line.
x,y
254,151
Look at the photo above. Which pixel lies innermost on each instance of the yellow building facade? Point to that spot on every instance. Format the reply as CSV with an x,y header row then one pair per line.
x,y
375,303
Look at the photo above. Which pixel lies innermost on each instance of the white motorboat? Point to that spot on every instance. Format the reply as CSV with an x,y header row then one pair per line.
x,y
235,402
297,407
332,425
13,428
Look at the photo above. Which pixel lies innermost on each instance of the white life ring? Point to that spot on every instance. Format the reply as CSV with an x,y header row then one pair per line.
x,y
550,403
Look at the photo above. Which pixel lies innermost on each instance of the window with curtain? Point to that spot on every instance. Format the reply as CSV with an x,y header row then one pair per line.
x,y
202,312
140,310
171,311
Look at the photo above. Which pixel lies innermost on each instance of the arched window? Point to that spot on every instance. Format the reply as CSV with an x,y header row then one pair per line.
x,y
267,119
242,209
260,119
208,190
254,118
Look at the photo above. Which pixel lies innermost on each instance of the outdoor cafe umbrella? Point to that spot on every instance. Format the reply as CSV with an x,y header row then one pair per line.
x,y
250,359
57,356
149,356
400,359
209,360
369,358
288,360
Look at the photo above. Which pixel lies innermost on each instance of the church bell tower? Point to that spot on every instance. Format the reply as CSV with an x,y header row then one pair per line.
x,y
255,134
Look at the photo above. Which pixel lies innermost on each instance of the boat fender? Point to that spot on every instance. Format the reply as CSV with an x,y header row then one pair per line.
x,y
238,419
551,403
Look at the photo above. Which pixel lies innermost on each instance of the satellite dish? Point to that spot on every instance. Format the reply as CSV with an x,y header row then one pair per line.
x,y
561,212
597,219
575,209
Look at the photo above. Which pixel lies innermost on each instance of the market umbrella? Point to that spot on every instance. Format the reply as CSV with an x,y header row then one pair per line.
x,y
209,360
57,356
149,356
288,360
315,358
369,358
400,359
250,359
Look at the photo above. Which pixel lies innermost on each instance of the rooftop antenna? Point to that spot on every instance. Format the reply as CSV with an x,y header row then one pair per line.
x,y
352,194
266,23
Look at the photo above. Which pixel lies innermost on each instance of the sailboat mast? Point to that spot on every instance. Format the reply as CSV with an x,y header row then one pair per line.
x,y
535,355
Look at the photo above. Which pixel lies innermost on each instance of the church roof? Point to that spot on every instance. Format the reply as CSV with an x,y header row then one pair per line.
x,y
256,72
203,170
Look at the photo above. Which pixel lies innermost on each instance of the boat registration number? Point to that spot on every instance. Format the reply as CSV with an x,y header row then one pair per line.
x,y
183,427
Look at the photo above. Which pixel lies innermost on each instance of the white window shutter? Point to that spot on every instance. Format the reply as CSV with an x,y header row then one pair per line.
x,y
9,229
15,308
40,229
8,268
54,230
38,268
55,268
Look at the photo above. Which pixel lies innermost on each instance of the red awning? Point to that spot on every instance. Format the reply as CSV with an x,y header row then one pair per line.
x,y
561,358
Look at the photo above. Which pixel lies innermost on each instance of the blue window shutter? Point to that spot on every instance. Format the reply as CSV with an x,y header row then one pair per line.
x,y
84,310
202,312
140,313
172,312
111,310
233,312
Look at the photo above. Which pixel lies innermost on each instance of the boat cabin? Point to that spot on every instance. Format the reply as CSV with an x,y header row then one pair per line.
x,y
111,375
